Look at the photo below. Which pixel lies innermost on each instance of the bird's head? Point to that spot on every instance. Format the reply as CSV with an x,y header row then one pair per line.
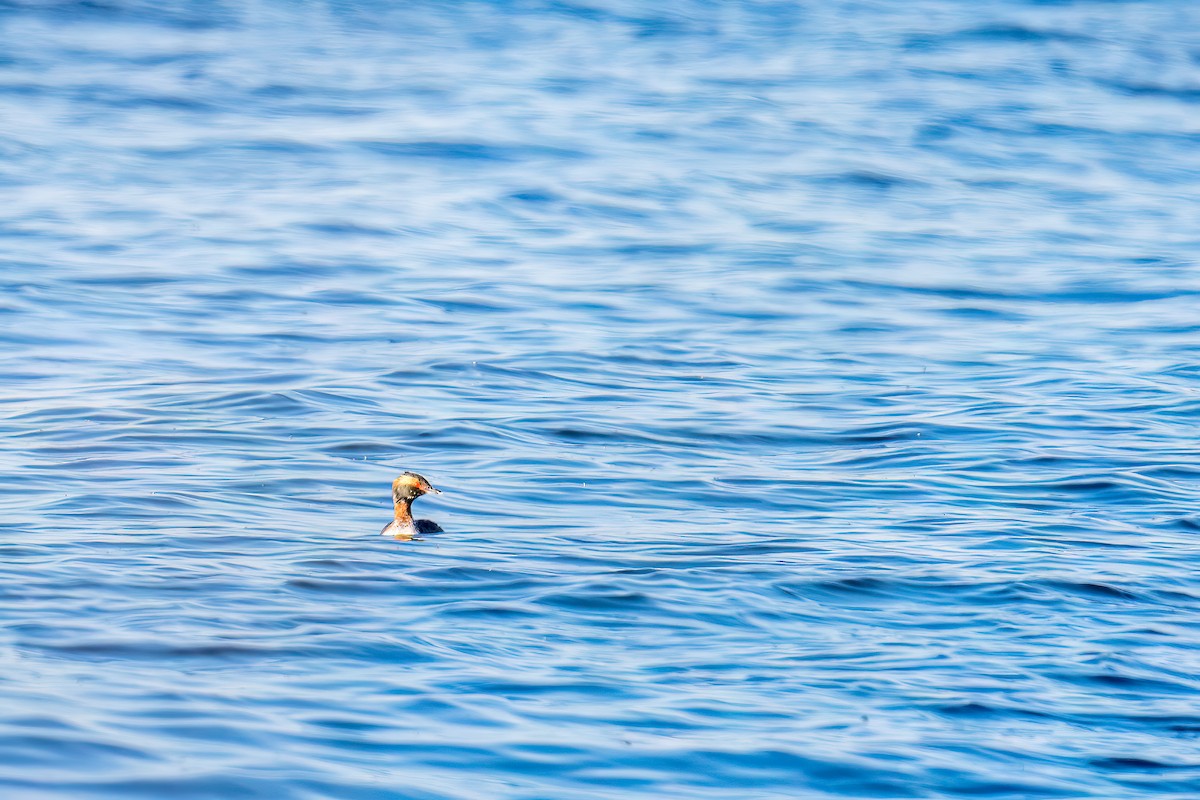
x,y
410,486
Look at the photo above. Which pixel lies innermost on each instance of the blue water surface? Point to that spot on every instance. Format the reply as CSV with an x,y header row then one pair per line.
x,y
813,387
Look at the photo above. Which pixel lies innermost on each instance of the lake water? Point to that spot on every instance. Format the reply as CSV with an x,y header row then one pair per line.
x,y
813,387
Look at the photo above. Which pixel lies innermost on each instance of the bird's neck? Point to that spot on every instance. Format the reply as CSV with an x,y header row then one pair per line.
x,y
403,509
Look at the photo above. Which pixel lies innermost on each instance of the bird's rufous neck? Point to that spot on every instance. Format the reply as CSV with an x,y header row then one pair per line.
x,y
403,509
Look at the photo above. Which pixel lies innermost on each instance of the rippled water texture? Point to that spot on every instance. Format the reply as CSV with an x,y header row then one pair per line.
x,y
813,388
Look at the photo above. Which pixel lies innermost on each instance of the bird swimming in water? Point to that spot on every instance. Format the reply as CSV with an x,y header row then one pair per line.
x,y
408,487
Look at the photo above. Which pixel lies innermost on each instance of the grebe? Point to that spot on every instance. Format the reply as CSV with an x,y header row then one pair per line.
x,y
408,487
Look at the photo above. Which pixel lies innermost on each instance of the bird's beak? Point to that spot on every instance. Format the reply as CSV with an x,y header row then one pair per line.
x,y
434,491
